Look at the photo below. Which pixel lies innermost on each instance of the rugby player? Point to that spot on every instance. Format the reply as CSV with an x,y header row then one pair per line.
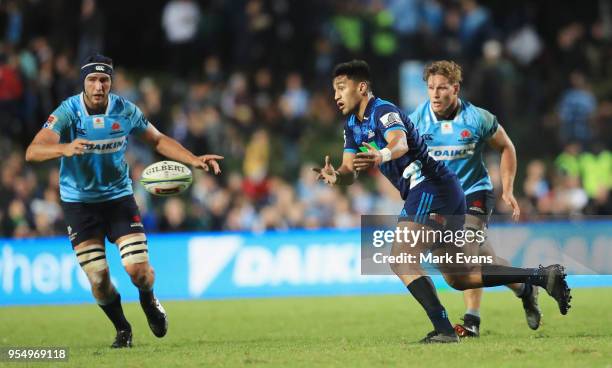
x,y
89,133
456,132
432,193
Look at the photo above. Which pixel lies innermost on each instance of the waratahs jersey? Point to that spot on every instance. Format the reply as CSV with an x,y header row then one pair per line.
x,y
459,142
101,173
381,117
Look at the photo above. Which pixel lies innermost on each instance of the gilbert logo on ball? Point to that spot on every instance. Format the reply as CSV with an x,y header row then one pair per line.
x,y
165,178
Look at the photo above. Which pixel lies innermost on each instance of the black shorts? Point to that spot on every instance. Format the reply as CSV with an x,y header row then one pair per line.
x,y
480,204
113,219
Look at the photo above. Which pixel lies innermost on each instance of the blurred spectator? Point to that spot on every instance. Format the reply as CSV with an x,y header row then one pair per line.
x,y
14,23
11,90
180,20
576,109
256,164
535,185
493,82
66,81
175,216
475,26
91,30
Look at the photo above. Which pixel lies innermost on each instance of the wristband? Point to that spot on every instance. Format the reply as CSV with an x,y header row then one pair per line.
x,y
386,154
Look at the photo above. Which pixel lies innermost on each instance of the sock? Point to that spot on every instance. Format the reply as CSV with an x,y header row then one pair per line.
x,y
473,312
114,312
146,297
525,291
424,292
496,275
520,292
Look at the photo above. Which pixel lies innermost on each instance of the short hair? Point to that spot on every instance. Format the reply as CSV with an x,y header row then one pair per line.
x,y
445,68
355,70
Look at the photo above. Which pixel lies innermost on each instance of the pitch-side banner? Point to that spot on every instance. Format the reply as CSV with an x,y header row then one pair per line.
x,y
236,265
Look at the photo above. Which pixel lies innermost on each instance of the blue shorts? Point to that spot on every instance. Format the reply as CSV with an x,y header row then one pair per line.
x,y
437,202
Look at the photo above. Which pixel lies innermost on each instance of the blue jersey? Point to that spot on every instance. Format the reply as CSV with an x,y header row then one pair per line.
x,y
101,173
459,142
404,172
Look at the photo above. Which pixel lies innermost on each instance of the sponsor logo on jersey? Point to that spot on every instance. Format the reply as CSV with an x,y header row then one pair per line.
x,y
116,128
446,127
452,152
107,145
390,118
81,131
427,137
98,123
465,134
371,134
51,120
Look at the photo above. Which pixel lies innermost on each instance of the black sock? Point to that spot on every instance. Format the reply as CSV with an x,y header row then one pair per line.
x,y
424,292
114,312
526,292
496,275
146,297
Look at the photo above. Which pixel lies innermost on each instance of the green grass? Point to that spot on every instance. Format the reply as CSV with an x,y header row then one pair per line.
x,y
339,331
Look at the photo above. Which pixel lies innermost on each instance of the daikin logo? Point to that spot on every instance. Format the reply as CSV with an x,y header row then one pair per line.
x,y
230,261
208,256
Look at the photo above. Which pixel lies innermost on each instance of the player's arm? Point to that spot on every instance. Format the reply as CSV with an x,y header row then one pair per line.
x,y
345,175
502,143
397,146
46,146
173,150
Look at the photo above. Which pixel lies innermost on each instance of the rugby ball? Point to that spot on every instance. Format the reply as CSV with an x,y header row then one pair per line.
x,y
166,178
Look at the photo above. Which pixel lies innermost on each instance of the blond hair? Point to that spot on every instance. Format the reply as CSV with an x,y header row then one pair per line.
x,y
445,68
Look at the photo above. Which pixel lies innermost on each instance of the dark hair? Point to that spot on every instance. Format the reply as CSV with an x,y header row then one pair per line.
x,y
97,58
356,70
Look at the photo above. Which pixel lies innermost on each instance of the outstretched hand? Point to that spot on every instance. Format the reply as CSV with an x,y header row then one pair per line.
x,y
207,162
327,174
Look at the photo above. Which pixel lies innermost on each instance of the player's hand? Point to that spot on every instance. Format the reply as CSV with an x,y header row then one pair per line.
x,y
327,174
509,199
366,160
207,162
76,147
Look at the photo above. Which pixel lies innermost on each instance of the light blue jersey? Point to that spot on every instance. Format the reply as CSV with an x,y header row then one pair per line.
x,y
101,173
459,142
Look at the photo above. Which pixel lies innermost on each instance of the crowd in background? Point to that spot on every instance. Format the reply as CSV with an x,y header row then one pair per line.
x,y
250,80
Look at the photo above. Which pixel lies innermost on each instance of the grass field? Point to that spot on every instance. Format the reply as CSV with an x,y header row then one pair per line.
x,y
339,331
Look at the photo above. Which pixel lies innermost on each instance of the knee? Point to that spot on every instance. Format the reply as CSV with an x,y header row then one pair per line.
x,y
140,273
456,282
99,280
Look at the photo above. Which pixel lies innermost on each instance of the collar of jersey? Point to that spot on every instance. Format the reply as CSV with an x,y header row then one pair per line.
x,y
368,110
84,108
432,115
367,114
